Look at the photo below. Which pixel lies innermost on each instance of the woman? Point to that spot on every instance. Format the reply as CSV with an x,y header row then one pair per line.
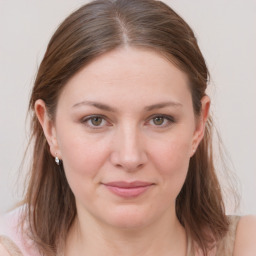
x,y
122,160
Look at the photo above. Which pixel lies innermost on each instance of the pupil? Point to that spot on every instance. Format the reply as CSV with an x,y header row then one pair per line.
x,y
158,120
96,121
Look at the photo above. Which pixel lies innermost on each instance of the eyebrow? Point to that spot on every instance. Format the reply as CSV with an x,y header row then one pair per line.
x,y
163,105
112,109
95,104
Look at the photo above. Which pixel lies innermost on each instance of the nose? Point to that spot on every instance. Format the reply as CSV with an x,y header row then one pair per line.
x,y
129,150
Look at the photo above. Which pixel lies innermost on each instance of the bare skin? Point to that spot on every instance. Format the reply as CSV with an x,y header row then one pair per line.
x,y
110,241
245,244
146,131
128,116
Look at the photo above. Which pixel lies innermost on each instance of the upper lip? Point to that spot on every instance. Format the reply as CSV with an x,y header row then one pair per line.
x,y
125,184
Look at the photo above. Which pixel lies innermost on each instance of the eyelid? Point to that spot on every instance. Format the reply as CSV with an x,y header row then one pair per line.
x,y
170,120
88,118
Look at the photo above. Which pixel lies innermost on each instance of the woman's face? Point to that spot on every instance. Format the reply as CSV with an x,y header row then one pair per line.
x,y
125,130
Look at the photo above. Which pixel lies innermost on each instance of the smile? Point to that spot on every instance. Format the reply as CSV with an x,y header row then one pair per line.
x,y
128,189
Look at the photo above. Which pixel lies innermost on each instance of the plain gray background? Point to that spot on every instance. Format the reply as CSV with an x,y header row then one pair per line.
x,y
226,34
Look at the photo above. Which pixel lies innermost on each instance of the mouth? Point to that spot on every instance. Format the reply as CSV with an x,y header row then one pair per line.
x,y
128,189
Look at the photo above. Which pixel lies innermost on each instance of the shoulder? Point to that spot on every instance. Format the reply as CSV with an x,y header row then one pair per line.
x,y
10,222
245,236
14,233
9,233
3,251
8,247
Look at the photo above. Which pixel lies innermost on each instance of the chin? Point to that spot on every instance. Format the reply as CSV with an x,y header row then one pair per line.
x,y
129,218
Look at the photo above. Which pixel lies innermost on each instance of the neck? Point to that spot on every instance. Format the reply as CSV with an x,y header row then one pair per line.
x,y
161,238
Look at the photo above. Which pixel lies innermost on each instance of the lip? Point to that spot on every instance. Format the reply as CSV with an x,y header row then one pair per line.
x,y
128,189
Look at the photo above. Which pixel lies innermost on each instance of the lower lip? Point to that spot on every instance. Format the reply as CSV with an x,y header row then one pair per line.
x,y
128,192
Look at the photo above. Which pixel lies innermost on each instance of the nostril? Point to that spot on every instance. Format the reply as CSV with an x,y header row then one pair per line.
x,y
128,162
128,151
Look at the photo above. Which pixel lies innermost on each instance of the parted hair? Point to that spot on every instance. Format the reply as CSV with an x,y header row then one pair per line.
x,y
94,29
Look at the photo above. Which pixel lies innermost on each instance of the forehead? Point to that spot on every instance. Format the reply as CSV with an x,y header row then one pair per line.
x,y
128,74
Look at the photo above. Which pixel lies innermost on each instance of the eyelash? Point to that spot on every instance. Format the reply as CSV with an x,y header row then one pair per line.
x,y
89,118
169,120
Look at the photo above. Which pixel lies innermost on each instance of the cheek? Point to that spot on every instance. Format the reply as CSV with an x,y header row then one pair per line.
x,y
83,156
83,159
171,159
172,153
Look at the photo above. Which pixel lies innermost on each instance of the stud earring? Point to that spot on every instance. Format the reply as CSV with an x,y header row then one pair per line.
x,y
57,160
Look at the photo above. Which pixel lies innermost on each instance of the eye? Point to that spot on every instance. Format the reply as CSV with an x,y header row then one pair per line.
x,y
161,121
95,122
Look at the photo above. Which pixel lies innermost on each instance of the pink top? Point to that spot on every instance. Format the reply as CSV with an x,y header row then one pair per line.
x,y
11,235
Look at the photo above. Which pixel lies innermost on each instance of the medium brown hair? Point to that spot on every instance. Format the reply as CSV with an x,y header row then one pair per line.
x,y
92,30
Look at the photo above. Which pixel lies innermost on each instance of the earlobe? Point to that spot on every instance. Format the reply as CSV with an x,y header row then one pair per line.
x,y
47,126
200,126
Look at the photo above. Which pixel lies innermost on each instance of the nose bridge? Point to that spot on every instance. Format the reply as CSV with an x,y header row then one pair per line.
x,y
130,141
129,151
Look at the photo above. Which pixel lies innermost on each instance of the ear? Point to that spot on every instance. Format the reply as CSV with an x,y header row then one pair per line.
x,y
200,123
48,127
